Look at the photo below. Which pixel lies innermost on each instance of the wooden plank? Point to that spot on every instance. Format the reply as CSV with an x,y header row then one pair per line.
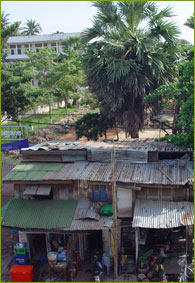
x,y
54,152
163,172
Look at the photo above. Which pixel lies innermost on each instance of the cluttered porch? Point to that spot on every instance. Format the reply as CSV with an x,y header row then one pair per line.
x,y
58,249
163,242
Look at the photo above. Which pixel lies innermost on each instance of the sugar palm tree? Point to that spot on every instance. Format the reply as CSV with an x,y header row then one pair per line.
x,y
32,27
4,20
131,50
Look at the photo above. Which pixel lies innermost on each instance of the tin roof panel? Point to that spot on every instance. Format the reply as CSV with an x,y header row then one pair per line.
x,y
39,214
162,214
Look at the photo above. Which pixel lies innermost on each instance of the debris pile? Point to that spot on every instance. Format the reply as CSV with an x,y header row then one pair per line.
x,y
50,132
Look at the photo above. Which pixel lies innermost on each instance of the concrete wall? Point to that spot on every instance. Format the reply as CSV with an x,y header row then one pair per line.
x,y
31,46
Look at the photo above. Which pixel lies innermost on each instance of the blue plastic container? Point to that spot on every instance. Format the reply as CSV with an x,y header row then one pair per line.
x,y
20,259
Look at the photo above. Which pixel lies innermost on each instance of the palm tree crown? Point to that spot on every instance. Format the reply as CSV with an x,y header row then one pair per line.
x,y
131,50
4,20
32,27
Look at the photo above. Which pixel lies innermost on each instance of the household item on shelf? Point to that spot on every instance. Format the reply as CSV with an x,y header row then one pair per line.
x,y
20,259
62,256
106,209
52,258
20,248
14,235
22,273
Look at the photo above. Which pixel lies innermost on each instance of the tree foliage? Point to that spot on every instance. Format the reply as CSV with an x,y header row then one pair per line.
x,y
190,22
17,95
92,126
68,76
7,30
32,28
125,62
44,62
181,96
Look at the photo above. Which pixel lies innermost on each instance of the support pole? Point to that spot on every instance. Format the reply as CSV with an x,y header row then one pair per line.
x,y
189,243
136,244
115,238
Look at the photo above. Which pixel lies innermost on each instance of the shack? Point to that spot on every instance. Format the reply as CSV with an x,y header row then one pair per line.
x,y
60,187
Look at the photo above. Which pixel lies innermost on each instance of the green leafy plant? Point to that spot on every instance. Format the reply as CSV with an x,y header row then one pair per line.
x,y
142,259
92,125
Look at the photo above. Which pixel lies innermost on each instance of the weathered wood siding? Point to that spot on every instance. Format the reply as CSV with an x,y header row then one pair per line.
x,y
172,194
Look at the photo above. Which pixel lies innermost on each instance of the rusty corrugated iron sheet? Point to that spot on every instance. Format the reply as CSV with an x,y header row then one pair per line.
x,y
86,210
134,145
105,222
150,173
162,214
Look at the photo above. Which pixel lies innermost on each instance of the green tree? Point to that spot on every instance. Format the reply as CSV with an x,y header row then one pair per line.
x,y
32,28
44,62
190,22
65,80
92,126
68,76
124,61
4,20
181,96
17,95
7,30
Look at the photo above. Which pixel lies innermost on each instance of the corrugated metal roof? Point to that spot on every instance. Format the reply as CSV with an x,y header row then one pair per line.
x,y
105,222
32,171
41,190
150,173
126,172
134,145
86,209
39,214
41,38
162,214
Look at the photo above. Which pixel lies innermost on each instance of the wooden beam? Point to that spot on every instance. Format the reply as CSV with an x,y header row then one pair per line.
x,y
40,182
165,175
114,204
136,243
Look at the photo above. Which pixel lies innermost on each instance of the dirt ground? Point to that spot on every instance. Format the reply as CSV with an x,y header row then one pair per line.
x,y
111,134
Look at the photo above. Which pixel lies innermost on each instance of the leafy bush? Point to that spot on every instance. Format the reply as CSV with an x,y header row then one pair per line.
x,y
92,126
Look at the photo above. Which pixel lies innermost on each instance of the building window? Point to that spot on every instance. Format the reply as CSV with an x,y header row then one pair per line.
x,y
100,193
45,44
54,46
26,46
12,48
38,45
19,51
37,50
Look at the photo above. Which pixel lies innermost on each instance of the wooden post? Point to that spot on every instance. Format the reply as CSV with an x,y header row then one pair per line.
x,y
115,238
136,244
189,243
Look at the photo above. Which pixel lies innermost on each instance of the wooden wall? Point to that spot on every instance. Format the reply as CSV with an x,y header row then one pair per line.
x,y
162,193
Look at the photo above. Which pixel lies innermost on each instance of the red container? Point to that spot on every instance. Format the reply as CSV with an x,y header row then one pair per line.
x,y
22,273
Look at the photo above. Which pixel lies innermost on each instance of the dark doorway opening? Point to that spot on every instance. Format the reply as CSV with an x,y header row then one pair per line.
x,y
95,241
38,244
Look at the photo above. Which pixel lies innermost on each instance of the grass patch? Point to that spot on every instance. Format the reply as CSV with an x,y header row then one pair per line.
x,y
39,121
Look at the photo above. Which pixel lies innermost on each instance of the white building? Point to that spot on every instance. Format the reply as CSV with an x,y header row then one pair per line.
x,y
17,45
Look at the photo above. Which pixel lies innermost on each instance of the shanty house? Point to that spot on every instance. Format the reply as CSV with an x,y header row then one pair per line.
x,y
61,185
